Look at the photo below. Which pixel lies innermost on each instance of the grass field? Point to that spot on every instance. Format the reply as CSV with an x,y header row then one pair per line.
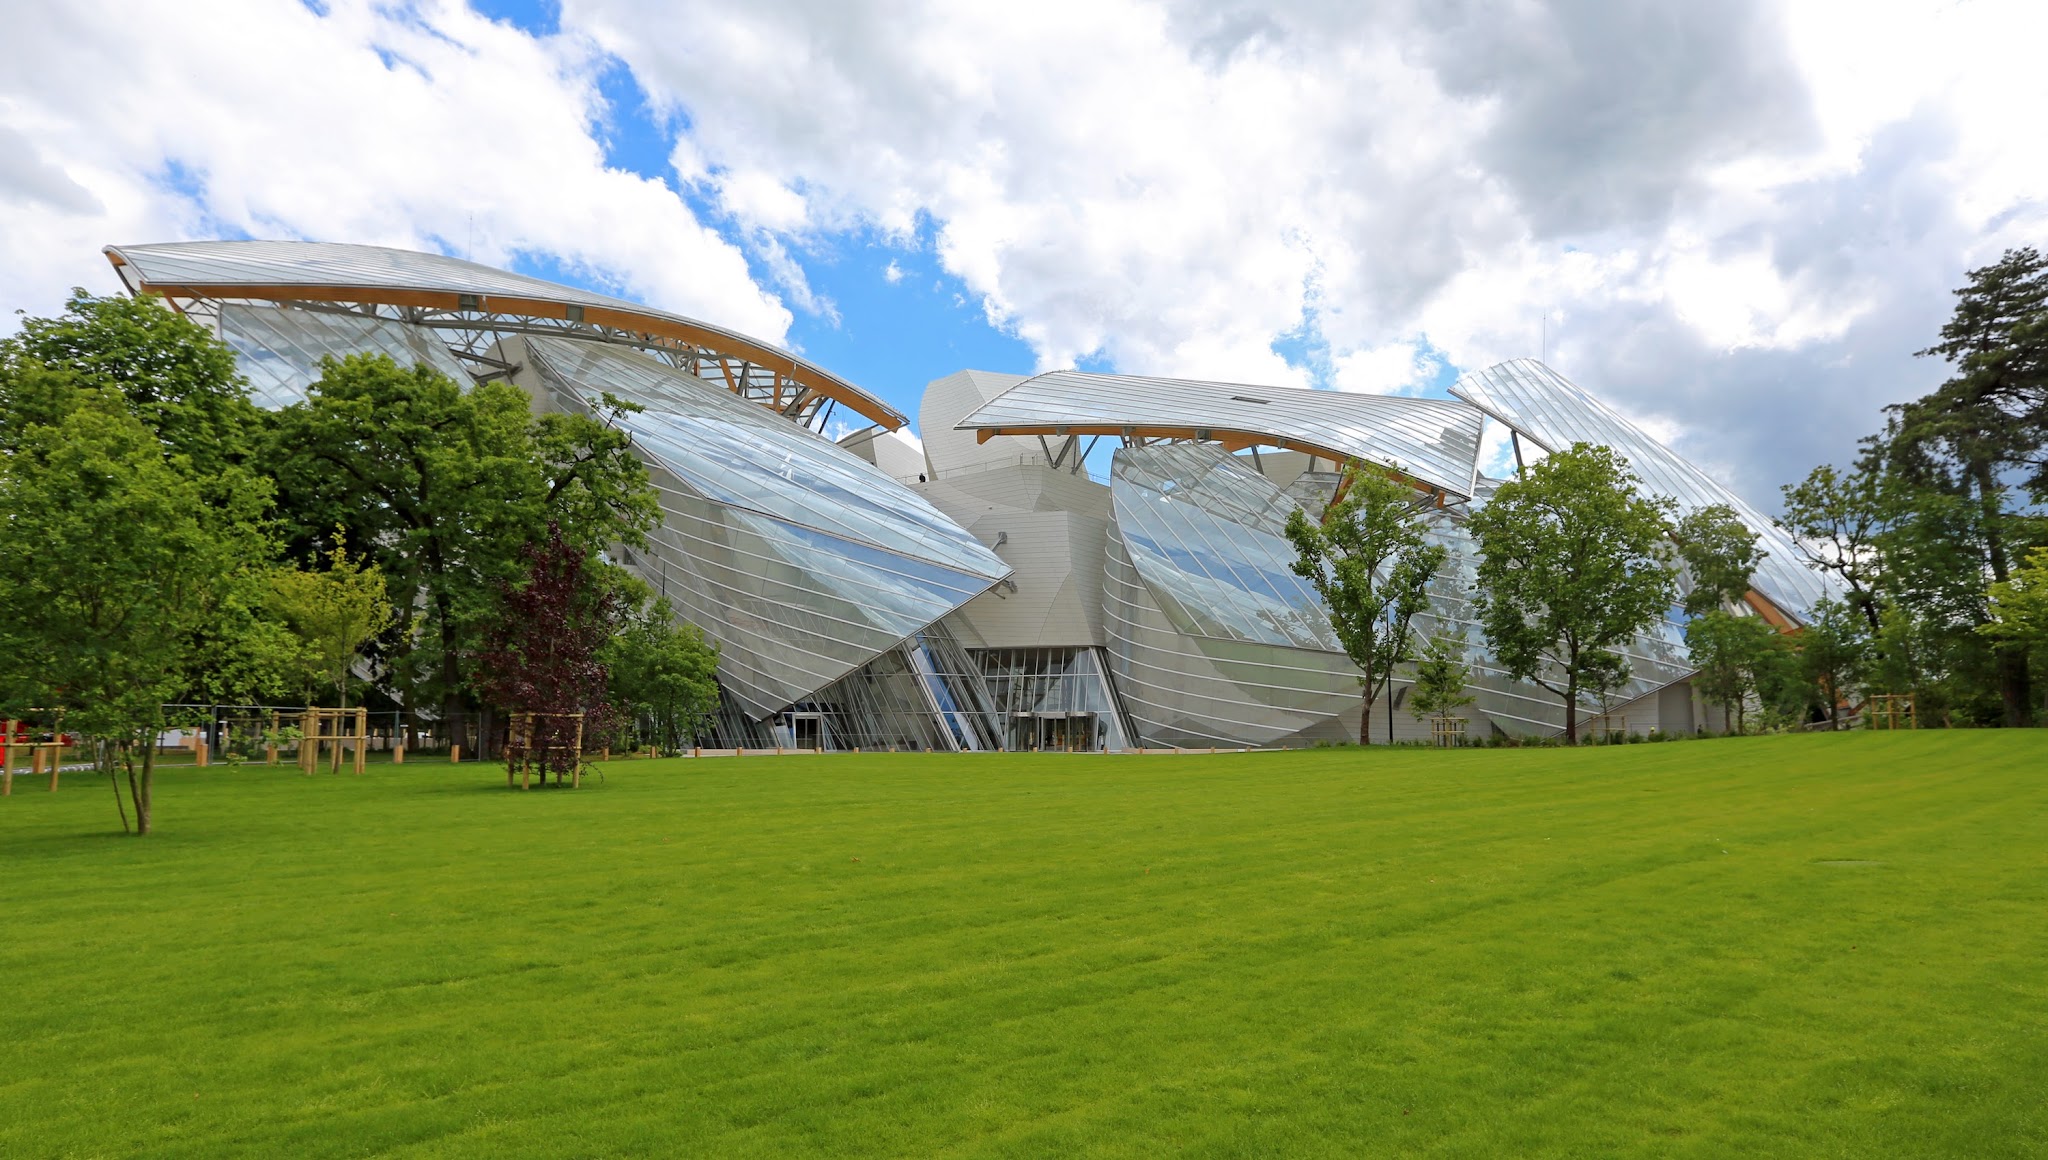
x,y
1806,946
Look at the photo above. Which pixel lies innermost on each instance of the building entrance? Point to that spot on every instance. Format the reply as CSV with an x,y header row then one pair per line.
x,y
1056,732
807,730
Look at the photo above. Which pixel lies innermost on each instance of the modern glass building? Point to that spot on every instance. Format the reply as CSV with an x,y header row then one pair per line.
x,y
985,593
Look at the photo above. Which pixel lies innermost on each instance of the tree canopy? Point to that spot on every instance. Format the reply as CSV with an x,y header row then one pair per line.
x,y
446,487
1370,561
122,587
664,672
1573,564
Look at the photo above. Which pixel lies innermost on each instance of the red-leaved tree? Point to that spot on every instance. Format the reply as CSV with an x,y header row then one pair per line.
x,y
541,655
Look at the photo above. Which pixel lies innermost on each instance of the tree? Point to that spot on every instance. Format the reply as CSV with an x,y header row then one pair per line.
x,y
1997,343
1833,648
1572,565
544,652
1737,657
445,487
174,376
1720,555
1988,420
1836,518
1934,589
664,672
1440,678
334,612
2019,606
1370,561
117,578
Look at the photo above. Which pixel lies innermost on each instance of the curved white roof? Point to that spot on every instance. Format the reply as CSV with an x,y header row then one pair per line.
x,y
1434,442
336,272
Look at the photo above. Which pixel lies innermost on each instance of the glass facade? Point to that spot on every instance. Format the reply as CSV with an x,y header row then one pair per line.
x,y
801,560
279,350
1053,699
840,599
1544,406
1216,642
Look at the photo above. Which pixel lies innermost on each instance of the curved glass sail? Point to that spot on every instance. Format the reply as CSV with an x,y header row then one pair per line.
x,y
1433,441
437,291
1544,406
1215,640
802,560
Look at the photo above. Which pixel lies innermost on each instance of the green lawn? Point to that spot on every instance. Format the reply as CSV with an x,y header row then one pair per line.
x,y
1809,946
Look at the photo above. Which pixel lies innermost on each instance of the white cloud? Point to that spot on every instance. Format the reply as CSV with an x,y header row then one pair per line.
x,y
400,126
1729,212
1398,368
892,273
1760,193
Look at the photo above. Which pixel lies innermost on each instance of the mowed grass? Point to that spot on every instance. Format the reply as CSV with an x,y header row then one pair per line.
x,y
1807,946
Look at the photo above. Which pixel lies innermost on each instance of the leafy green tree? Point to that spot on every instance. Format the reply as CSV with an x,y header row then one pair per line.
x,y
1441,675
1934,593
1573,563
1837,519
1833,650
175,377
1370,560
1988,421
664,672
1720,554
335,612
445,487
119,575
2019,605
1738,658
1996,343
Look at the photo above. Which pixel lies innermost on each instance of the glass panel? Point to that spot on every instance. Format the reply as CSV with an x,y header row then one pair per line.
x,y
1545,406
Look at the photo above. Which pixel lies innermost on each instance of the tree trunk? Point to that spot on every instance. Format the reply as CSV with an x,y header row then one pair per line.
x,y
1365,711
139,790
2014,681
451,674
109,758
1571,711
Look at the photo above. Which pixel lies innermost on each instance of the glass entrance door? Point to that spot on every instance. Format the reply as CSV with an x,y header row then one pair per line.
x,y
1056,732
807,730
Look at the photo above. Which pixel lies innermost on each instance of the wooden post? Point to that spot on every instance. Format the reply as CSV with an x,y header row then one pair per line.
x,y
199,750
576,757
307,733
398,754
454,752
7,761
362,738
270,742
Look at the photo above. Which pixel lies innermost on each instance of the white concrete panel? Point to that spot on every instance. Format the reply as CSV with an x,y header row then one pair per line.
x,y
951,399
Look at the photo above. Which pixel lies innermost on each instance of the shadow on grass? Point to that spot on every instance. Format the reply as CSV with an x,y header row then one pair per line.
x,y
36,846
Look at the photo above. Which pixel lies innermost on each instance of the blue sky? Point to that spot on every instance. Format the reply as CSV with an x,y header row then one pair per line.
x,y
890,337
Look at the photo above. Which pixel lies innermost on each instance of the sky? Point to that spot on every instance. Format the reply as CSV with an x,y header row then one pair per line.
x,y
1733,221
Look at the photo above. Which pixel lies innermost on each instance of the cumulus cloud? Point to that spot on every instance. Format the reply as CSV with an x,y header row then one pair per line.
x,y
425,126
1738,218
1726,210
